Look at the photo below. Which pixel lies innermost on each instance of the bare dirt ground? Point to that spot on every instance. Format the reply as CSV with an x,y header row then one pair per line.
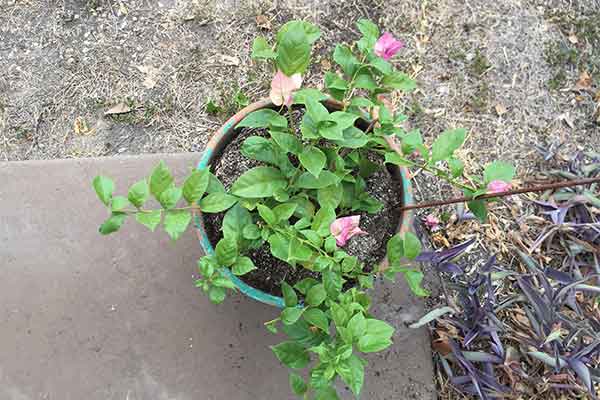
x,y
515,73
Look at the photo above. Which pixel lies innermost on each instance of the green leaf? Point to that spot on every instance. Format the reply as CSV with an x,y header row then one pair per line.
x,y
195,186
377,336
118,203
113,223
412,246
353,138
330,130
447,143
479,208
280,246
299,251
311,31
259,182
323,218
289,295
267,214
309,181
176,222
297,384
169,197
251,232
316,317
261,49
395,158
242,266
381,65
330,196
302,95
357,325
223,282
343,56
160,180
287,142
400,81
104,188
343,119
226,251
305,209
414,279
217,202
370,33
316,111
293,50
291,354
316,295
334,81
333,283
352,372
431,316
138,193
217,294
259,148
456,167
326,393
339,315
290,315
284,211
395,250
313,160
262,118
214,184
149,219
236,219
364,80
498,170
305,284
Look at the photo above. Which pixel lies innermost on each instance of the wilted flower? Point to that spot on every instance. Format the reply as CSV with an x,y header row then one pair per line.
x,y
386,46
498,186
344,228
432,222
282,87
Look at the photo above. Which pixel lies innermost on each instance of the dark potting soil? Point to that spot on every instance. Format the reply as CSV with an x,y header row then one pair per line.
x,y
270,272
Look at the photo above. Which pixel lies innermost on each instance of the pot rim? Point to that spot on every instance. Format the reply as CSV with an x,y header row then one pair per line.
x,y
218,141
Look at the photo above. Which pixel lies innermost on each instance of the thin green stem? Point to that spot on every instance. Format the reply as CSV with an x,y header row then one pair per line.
x,y
350,89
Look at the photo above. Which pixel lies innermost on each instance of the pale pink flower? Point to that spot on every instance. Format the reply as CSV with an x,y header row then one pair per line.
x,y
282,87
498,186
386,46
344,228
432,222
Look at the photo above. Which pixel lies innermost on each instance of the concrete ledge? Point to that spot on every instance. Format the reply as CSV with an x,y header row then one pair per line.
x,y
118,317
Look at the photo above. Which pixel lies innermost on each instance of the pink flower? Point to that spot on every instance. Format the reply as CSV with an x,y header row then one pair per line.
x,y
386,46
432,222
498,186
344,228
282,87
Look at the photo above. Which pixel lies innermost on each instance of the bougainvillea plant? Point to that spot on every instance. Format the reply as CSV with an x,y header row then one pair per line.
x,y
303,201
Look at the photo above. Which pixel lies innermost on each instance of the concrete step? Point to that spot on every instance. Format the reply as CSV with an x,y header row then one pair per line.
x,y
90,317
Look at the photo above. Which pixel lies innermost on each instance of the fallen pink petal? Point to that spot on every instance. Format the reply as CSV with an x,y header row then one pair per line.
x,y
282,88
498,186
387,46
344,228
432,222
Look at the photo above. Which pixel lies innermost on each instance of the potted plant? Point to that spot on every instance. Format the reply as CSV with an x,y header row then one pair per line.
x,y
298,201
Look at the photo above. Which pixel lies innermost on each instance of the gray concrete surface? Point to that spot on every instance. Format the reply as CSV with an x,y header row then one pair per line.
x,y
90,317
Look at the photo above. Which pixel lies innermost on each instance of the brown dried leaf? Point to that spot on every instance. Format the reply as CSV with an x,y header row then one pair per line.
x,y
500,109
119,108
81,127
325,64
584,82
263,22
442,346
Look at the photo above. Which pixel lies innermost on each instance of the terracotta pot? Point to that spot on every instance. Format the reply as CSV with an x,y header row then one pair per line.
x,y
222,138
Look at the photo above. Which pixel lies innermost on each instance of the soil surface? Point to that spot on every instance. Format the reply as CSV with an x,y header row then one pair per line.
x,y
271,271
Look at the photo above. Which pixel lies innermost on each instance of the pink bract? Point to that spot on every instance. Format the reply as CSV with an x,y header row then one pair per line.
x,y
387,46
344,228
498,186
282,87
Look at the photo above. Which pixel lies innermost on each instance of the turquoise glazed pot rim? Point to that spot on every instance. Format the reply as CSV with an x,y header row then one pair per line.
x,y
215,145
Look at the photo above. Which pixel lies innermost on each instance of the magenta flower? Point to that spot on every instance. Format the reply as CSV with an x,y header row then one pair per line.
x,y
344,228
432,222
498,186
282,87
386,46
